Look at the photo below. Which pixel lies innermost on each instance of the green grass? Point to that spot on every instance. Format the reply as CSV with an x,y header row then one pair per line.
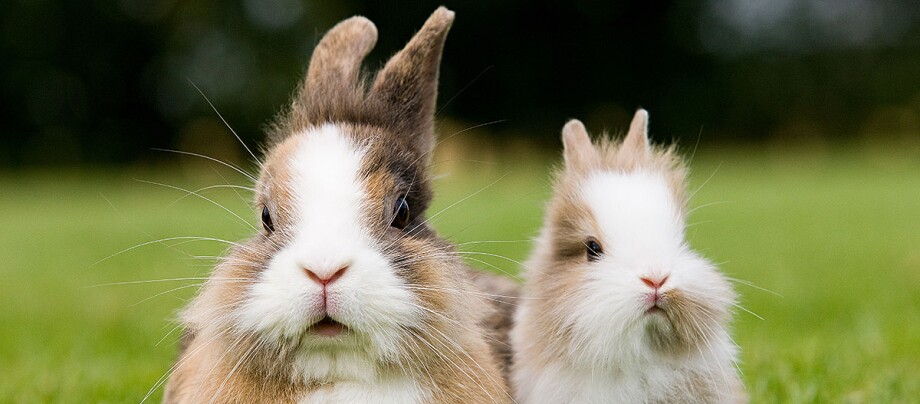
x,y
837,236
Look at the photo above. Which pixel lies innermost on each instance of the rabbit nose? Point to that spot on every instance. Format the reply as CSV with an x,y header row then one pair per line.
x,y
654,283
324,278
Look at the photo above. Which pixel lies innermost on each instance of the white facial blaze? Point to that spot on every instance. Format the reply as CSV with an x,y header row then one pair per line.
x,y
637,215
328,195
642,233
328,216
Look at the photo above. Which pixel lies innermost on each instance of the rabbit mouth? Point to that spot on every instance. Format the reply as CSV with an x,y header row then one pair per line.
x,y
655,309
328,327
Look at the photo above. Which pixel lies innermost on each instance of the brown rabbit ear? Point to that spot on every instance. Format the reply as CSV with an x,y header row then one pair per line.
x,y
336,62
407,86
578,151
637,137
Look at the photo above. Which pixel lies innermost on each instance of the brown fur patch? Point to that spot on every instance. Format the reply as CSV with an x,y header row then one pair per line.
x,y
503,295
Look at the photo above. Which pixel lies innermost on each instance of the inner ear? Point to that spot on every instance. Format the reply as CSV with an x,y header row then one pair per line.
x,y
578,151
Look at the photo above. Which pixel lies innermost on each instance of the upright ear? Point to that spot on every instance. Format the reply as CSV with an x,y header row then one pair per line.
x,y
637,137
336,62
407,85
578,151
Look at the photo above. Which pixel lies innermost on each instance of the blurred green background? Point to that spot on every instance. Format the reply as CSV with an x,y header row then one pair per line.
x,y
802,118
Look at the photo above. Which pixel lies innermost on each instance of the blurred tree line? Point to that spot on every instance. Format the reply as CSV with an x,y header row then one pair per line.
x,y
104,81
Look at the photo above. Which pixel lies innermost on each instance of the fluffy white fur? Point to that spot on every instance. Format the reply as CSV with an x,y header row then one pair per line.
x,y
398,390
562,383
636,216
368,298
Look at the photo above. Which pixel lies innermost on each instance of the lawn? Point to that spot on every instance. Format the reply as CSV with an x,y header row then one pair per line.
x,y
831,241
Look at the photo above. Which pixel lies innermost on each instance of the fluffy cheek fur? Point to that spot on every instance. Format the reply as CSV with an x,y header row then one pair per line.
x,y
369,298
609,322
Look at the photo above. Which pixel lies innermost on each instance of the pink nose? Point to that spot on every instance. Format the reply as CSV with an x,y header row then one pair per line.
x,y
326,278
654,283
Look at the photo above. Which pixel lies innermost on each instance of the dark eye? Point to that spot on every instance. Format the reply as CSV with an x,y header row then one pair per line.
x,y
401,213
593,249
267,220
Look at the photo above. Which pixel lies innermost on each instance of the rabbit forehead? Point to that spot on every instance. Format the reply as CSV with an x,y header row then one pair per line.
x,y
326,185
363,164
634,211
325,169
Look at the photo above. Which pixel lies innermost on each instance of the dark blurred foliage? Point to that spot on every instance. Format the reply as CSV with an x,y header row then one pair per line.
x,y
105,81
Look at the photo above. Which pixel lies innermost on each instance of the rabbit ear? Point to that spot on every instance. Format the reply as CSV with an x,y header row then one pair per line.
x,y
336,61
577,151
407,86
637,137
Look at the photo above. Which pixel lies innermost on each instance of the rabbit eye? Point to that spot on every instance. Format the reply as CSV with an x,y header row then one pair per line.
x,y
401,213
267,220
593,249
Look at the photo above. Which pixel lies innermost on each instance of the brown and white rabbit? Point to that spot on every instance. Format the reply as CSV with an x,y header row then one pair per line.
x,y
616,307
347,296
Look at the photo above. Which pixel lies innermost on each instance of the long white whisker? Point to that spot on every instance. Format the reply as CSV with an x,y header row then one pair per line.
x,y
178,363
219,186
161,280
705,182
747,311
225,122
244,221
463,89
751,284
187,239
167,292
454,204
206,157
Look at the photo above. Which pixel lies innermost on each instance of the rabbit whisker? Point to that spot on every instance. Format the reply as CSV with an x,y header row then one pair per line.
x,y
206,157
219,115
690,198
189,192
185,238
186,358
161,280
243,358
463,89
751,284
452,362
237,341
747,311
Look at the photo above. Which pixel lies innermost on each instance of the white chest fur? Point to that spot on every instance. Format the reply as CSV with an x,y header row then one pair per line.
x,y
390,390
556,384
